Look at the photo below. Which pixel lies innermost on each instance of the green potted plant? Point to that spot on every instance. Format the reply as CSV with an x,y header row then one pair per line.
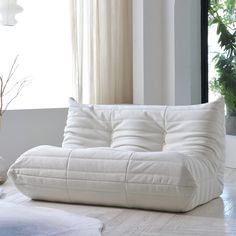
x,y
222,14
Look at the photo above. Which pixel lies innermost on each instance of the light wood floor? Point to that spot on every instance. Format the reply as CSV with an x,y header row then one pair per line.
x,y
215,218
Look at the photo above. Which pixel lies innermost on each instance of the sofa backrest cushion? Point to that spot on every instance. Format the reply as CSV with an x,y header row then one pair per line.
x,y
128,127
145,127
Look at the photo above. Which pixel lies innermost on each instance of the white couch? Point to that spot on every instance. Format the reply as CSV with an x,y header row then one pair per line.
x,y
168,158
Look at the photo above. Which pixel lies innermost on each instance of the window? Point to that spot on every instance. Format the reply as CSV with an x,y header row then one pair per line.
x,y
204,51
220,26
212,45
42,39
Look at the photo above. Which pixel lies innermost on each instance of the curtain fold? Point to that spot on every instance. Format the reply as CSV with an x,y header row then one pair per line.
x,y
102,50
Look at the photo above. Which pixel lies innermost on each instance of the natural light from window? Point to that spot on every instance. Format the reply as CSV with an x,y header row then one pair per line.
x,y
42,39
213,49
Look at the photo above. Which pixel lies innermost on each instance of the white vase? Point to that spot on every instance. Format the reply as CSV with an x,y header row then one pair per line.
x,y
3,171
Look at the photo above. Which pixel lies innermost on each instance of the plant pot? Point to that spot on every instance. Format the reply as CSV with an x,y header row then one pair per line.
x,y
230,124
3,171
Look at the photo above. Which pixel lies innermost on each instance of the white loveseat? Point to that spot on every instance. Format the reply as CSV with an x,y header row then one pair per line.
x,y
167,158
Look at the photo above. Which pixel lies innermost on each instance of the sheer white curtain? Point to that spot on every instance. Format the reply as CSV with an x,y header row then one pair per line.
x,y
102,47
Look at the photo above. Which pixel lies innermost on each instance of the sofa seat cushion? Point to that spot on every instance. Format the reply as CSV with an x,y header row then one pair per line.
x,y
169,181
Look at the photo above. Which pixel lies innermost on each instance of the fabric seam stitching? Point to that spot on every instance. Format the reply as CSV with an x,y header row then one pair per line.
x,y
126,183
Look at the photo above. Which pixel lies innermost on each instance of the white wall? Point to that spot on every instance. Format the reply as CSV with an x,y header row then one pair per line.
x,y
168,56
24,129
168,45
230,151
188,51
152,18
138,53
147,19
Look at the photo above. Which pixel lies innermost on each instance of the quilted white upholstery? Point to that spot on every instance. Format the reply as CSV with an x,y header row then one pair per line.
x,y
133,128
152,157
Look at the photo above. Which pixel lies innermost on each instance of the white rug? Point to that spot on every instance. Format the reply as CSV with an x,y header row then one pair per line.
x,y
16,220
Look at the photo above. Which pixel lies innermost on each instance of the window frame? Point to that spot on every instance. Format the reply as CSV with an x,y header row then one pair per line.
x,y
204,50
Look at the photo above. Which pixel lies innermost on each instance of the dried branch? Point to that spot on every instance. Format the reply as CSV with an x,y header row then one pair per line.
x,y
23,84
15,85
15,88
11,73
1,95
